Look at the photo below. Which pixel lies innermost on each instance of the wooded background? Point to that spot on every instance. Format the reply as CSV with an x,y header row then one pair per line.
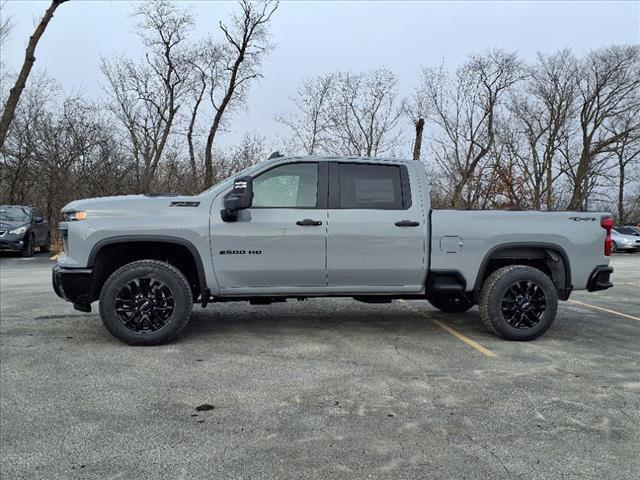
x,y
560,133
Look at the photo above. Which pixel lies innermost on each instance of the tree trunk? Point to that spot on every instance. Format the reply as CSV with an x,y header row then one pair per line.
x,y
192,122
21,81
231,88
417,145
621,213
577,197
208,157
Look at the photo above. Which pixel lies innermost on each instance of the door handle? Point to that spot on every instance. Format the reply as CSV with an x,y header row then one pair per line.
x,y
307,222
407,223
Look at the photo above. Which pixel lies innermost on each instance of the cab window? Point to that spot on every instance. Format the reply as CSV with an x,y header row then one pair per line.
x,y
294,185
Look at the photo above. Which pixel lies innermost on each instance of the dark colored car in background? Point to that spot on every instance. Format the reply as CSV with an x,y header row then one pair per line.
x,y
22,229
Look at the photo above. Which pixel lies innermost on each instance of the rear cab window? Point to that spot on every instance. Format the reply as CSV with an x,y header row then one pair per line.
x,y
371,186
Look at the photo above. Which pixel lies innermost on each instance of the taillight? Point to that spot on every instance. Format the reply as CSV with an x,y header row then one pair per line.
x,y
607,224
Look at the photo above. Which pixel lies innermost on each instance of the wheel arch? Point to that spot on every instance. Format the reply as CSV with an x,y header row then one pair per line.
x,y
141,247
548,257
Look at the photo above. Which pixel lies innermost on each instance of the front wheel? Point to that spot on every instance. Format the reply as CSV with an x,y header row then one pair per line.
x,y
27,248
518,302
146,302
451,303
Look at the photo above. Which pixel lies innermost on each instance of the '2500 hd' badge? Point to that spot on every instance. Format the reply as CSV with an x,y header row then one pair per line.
x,y
240,252
583,219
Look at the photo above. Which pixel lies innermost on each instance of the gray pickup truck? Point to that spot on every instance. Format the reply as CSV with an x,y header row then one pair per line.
x,y
299,227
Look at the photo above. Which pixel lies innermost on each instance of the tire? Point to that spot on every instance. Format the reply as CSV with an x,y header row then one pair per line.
x,y
146,302
614,247
452,303
514,318
27,249
46,248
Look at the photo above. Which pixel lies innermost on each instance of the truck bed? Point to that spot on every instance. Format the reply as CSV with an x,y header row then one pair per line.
x,y
461,240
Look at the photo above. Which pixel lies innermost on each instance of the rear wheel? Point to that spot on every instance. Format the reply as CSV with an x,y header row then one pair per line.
x,y
614,246
518,302
146,303
451,303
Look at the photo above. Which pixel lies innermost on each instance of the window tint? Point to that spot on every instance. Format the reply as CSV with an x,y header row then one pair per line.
x,y
289,186
370,186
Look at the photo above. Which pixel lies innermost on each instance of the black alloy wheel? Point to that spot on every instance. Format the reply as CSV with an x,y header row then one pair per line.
x,y
145,304
524,304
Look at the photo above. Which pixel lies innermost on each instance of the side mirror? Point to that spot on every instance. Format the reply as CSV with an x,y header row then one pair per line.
x,y
239,198
38,219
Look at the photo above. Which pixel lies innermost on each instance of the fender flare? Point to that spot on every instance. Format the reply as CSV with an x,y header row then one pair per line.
x,y
154,238
538,245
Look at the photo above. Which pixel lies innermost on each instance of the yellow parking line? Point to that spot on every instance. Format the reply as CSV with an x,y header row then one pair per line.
x,y
455,333
604,309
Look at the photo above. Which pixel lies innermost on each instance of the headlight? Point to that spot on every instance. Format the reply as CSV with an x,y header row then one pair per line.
x,y
19,230
73,216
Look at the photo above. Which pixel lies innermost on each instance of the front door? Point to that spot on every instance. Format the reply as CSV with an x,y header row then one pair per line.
x,y
280,241
377,236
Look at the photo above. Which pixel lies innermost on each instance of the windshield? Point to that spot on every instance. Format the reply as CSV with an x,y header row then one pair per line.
x,y
239,173
14,214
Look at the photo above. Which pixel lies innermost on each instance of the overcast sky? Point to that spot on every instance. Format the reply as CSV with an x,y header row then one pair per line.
x,y
316,37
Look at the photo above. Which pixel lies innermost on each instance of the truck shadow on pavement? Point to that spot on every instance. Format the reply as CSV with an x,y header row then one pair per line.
x,y
351,318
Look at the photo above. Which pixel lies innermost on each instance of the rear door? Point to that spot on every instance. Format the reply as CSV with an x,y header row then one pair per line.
x,y
281,240
376,234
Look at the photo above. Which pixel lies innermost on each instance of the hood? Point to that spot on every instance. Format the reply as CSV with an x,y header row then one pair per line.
x,y
131,204
12,224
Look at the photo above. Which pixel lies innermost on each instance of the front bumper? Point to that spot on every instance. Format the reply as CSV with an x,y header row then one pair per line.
x,y
627,247
73,285
600,278
13,243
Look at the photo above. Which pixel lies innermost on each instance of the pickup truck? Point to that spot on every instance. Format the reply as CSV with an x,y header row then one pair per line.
x,y
299,227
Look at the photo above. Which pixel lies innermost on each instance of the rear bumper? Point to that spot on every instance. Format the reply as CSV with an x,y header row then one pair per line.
x,y
73,285
600,278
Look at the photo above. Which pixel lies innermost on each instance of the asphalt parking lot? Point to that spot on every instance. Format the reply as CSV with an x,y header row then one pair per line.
x,y
319,389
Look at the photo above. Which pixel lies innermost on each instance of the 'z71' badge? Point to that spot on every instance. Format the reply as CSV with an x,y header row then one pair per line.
x,y
240,252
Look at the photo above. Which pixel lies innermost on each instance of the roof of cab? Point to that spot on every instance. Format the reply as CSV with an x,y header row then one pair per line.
x,y
329,158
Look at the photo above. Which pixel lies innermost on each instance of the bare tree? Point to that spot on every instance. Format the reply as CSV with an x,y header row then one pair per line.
x,y
540,116
5,24
197,89
626,152
29,59
363,113
246,44
309,123
146,96
464,112
609,88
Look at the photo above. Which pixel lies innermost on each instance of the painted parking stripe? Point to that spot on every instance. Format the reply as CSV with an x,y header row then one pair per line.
x,y
455,333
626,315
